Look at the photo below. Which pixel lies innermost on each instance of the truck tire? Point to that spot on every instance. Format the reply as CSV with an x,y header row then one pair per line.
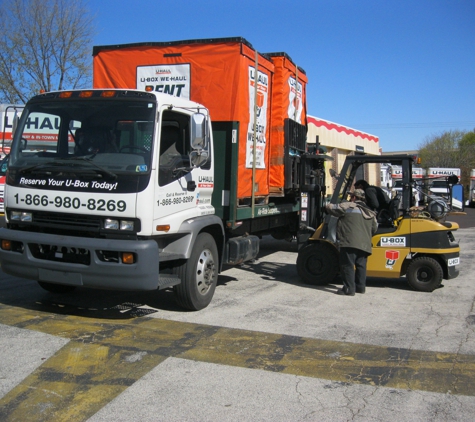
x,y
56,288
317,263
199,275
424,274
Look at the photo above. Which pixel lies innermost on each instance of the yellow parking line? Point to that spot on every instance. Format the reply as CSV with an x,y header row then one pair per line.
x,y
105,356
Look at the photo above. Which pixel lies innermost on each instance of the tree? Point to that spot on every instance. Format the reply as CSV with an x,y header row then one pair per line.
x,y
467,156
44,45
454,149
441,150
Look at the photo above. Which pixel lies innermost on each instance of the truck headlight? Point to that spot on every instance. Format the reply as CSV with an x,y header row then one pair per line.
x,y
126,225
112,224
23,216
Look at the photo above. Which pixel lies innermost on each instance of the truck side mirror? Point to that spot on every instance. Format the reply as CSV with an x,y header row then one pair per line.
x,y
198,131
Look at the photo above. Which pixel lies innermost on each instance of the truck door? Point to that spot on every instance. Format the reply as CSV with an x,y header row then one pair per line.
x,y
183,192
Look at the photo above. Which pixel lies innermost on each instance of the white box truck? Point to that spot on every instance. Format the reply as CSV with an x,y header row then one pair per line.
x,y
139,189
440,182
418,175
472,189
8,115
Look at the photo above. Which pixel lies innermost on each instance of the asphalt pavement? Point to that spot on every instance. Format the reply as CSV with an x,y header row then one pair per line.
x,y
268,348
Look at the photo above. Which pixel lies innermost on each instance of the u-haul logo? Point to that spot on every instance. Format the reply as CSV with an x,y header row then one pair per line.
x,y
393,241
171,79
443,172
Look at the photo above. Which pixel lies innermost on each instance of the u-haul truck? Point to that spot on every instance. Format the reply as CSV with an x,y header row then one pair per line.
x,y
158,187
439,180
9,114
418,176
472,188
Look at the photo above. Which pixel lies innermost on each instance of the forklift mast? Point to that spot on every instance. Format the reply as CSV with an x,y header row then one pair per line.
x,y
346,178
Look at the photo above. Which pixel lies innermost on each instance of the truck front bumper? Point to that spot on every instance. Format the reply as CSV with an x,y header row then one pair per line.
x,y
79,261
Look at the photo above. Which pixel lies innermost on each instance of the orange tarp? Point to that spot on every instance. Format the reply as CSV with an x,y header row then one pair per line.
x,y
222,77
288,101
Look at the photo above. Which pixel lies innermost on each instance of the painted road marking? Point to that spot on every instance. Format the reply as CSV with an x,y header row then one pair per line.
x,y
108,352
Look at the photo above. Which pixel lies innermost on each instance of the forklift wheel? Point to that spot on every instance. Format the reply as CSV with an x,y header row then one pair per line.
x,y
424,274
317,263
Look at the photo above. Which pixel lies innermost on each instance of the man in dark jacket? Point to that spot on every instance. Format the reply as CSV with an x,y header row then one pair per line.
x,y
376,198
356,226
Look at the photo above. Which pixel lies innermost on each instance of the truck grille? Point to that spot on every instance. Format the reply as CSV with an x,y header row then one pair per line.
x,y
66,221
91,226
57,223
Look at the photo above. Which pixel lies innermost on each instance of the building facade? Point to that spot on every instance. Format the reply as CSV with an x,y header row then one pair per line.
x,y
341,141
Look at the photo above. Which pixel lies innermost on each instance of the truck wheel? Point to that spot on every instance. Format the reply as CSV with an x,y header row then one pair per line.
x,y
56,288
199,275
317,264
424,274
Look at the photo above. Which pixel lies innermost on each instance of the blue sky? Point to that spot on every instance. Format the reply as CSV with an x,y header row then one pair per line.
x,y
401,70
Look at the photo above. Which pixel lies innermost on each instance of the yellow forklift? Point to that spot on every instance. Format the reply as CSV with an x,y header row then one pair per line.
x,y
415,242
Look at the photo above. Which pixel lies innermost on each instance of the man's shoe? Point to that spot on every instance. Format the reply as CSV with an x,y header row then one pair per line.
x,y
344,292
361,290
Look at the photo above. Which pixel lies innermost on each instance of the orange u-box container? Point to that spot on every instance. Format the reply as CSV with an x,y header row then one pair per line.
x,y
288,132
220,74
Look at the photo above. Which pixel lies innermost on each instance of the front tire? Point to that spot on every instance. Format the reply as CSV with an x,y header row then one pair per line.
x,y
317,263
199,275
424,274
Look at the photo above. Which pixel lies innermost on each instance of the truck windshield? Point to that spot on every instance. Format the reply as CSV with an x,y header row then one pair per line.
x,y
113,135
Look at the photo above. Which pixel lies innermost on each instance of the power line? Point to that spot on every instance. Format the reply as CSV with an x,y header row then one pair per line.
x,y
421,125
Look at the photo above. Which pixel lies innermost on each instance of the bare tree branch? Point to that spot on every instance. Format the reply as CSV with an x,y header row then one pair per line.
x,y
44,45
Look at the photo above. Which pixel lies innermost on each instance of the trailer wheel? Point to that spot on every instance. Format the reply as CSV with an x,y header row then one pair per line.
x,y
424,274
317,263
56,288
199,275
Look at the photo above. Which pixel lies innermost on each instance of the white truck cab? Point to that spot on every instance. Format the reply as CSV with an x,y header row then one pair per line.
x,y
104,183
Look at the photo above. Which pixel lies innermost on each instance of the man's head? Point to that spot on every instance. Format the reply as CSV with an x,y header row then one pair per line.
x,y
357,195
361,184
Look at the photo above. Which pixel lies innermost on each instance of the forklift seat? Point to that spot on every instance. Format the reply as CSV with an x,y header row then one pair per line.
x,y
386,218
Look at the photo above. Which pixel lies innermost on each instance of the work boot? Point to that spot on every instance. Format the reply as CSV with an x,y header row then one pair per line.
x,y
344,292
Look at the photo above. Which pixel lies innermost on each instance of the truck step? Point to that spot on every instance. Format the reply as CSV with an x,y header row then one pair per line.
x,y
167,280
